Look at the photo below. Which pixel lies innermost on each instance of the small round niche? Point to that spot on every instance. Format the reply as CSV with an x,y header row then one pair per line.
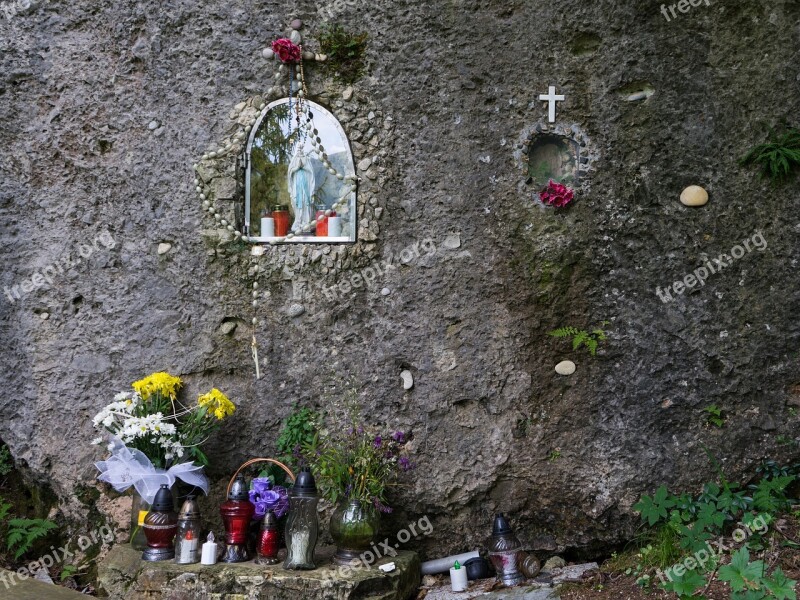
x,y
561,153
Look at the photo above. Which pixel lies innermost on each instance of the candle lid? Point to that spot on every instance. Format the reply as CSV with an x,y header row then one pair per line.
x,y
280,207
239,489
305,485
270,520
189,509
501,525
163,500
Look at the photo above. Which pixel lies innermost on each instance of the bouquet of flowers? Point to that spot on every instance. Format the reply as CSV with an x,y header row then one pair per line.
x,y
354,461
152,420
266,496
149,430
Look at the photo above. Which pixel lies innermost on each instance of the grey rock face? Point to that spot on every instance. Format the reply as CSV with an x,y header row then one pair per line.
x,y
79,85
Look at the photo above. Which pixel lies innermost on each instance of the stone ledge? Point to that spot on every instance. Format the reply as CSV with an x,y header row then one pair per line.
x,y
30,589
124,576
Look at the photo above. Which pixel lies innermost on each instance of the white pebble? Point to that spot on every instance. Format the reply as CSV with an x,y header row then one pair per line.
x,y
566,367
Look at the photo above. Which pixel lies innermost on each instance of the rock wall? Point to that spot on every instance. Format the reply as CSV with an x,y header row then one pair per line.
x,y
105,106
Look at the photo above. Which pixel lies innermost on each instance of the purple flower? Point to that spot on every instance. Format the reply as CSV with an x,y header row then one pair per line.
x,y
380,506
399,437
360,430
378,441
405,464
260,485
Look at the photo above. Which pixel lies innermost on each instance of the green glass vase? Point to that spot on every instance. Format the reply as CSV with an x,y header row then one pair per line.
x,y
354,526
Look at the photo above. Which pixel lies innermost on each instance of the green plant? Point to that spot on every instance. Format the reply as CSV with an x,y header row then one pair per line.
x,y
68,571
581,337
345,52
22,533
686,526
353,460
714,415
779,157
554,455
6,460
297,432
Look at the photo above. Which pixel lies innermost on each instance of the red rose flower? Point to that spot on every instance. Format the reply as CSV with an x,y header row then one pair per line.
x,y
286,50
556,194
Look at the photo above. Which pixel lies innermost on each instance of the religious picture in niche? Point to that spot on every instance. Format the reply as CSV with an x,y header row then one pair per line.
x,y
288,187
553,158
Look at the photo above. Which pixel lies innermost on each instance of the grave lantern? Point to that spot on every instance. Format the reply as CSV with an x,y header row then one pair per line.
x,y
236,515
160,526
187,542
505,552
303,524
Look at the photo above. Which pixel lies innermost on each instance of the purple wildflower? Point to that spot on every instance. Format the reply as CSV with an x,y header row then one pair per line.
x,y
381,506
378,441
399,437
405,464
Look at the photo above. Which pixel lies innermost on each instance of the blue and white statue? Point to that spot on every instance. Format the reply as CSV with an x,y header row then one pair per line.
x,y
301,189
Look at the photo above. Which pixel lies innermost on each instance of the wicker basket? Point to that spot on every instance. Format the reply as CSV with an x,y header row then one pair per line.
x,y
254,461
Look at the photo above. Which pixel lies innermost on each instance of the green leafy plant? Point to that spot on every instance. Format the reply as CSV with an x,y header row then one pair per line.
x,y
685,526
297,432
6,461
714,415
345,52
22,533
554,455
778,158
591,340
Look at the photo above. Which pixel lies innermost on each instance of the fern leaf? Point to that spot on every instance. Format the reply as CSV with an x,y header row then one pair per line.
x,y
564,332
591,344
579,339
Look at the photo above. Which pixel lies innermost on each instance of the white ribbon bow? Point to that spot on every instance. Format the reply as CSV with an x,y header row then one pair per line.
x,y
126,468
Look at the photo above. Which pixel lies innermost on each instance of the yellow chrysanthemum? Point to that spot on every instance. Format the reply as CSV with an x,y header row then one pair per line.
x,y
158,383
217,403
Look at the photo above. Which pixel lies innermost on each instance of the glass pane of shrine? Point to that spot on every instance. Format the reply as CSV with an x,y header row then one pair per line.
x,y
287,184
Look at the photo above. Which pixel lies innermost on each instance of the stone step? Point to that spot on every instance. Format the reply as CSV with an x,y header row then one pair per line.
x,y
13,588
124,576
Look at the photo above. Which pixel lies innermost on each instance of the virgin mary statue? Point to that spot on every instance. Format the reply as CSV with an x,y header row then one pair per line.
x,y
301,189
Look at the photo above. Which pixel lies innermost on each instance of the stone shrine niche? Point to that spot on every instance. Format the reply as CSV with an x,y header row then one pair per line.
x,y
555,153
283,163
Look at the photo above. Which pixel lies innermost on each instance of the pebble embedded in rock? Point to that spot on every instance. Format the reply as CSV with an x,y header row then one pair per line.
x,y
347,94
296,37
385,292
152,125
694,195
296,24
44,316
268,53
452,241
408,379
295,310
228,327
163,248
566,367
364,164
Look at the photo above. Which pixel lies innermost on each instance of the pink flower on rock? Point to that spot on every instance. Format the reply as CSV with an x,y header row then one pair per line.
x,y
287,51
556,194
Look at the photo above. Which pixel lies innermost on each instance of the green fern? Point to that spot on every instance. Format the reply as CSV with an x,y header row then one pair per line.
x,y
22,533
591,340
778,158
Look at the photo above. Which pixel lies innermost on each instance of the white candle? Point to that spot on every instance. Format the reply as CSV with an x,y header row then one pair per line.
x,y
267,227
209,556
334,226
458,578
